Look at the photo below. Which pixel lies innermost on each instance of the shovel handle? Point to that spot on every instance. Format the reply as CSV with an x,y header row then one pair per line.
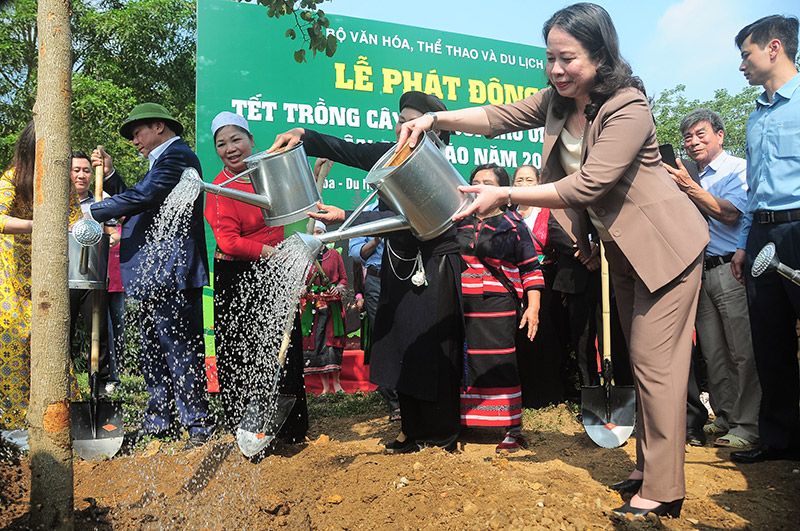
x,y
99,175
94,354
606,303
286,339
401,153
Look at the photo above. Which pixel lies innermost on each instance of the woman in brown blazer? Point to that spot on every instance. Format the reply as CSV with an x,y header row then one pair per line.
x,y
601,165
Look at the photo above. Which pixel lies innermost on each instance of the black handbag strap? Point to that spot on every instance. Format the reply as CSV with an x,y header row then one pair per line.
x,y
499,276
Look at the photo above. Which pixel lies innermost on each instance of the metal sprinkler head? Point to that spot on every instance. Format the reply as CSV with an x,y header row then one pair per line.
x,y
765,261
312,243
191,174
87,232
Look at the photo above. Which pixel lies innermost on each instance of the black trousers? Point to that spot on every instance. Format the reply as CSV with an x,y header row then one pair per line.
x,y
540,361
233,368
585,318
172,361
434,423
696,412
774,304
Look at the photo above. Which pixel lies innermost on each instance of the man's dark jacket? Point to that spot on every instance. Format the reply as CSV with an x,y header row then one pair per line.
x,y
139,205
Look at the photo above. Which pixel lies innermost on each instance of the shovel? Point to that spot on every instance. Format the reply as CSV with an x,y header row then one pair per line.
x,y
97,430
608,410
258,428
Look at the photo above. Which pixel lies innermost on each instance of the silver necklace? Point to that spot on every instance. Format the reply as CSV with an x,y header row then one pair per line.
x,y
417,274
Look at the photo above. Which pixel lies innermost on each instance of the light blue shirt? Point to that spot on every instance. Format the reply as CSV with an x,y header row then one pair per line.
x,y
724,177
356,244
157,151
773,154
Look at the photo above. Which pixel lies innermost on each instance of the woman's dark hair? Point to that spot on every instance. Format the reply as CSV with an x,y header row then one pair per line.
x,y
591,25
536,171
499,172
23,164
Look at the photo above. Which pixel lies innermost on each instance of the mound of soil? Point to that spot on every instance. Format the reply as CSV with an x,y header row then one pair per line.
x,y
341,479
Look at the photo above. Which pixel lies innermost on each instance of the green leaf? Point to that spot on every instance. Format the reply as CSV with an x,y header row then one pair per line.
x,y
300,56
330,45
291,34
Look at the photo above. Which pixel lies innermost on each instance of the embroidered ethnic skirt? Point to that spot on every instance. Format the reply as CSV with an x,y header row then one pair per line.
x,y
491,394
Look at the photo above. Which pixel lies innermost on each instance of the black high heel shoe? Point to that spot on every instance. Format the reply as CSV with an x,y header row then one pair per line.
x,y
672,509
627,486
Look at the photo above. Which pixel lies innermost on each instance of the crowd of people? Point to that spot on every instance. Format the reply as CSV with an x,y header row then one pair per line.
x,y
470,326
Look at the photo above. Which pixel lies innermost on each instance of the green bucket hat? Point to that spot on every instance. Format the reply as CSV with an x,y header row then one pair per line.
x,y
148,112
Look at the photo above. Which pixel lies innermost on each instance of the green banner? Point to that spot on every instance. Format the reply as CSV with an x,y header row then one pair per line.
x,y
245,64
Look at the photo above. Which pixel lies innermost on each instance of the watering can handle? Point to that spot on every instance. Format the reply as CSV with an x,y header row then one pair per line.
x,y
248,171
83,263
359,209
436,140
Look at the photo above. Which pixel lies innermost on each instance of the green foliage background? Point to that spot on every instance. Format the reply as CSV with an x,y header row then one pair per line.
x,y
124,52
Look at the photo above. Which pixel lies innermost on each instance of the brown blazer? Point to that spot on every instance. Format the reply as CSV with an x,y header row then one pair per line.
x,y
655,225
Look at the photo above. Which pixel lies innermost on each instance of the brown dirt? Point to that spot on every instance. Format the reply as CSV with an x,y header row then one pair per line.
x,y
341,480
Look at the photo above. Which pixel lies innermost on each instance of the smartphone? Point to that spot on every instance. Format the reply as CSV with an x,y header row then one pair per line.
x,y
667,154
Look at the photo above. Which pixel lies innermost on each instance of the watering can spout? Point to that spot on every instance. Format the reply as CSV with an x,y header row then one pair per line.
x,y
312,243
251,199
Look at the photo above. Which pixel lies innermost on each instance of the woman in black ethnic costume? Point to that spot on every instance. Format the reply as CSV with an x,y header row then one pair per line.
x,y
418,337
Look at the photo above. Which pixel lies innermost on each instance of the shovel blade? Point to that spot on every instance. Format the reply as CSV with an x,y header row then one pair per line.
x,y
96,436
608,418
260,424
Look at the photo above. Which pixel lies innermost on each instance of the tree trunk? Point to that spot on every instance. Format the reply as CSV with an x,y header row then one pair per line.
x,y
50,444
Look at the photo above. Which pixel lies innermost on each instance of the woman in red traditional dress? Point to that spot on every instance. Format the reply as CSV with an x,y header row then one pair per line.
x,y
242,239
323,318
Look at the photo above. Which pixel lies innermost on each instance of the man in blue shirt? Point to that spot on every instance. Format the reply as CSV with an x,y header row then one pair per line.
x,y
722,323
768,49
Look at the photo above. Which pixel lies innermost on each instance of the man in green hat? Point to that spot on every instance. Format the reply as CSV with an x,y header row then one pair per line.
x,y
172,349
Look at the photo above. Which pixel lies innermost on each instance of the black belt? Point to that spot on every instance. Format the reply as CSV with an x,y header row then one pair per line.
x,y
374,271
776,216
715,261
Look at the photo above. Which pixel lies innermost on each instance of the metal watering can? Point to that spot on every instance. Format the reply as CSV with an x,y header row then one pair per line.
x,y
420,185
283,182
88,256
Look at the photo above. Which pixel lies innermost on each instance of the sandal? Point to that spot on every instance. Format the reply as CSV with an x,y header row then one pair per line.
x,y
511,443
714,429
733,441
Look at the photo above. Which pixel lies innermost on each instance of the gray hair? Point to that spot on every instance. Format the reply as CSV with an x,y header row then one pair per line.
x,y
702,115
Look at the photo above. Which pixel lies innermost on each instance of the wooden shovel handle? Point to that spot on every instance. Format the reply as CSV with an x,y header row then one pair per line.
x,y
99,175
606,303
94,355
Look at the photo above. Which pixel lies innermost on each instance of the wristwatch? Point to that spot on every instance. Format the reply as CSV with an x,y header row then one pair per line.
x,y
435,119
